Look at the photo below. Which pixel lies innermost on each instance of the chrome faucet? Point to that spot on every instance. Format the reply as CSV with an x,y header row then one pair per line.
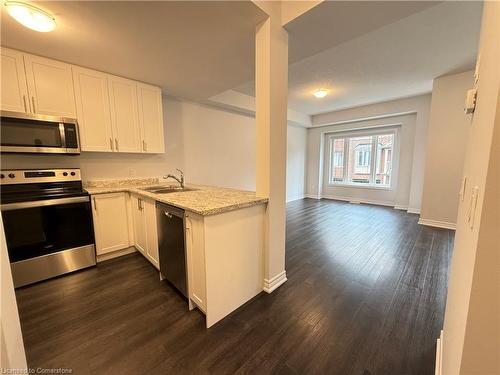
x,y
180,179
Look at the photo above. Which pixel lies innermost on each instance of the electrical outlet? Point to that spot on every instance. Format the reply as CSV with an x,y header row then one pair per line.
x,y
132,172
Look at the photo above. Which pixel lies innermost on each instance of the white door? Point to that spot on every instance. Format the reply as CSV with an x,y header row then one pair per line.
x,y
152,234
110,222
92,110
124,114
150,118
14,94
140,236
50,86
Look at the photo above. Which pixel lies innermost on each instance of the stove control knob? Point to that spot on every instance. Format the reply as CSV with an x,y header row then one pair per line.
x,y
12,175
73,173
65,173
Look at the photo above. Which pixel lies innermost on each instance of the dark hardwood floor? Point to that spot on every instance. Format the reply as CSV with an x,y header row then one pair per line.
x,y
365,295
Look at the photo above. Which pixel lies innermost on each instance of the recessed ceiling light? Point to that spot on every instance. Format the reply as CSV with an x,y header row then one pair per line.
x,y
320,93
30,16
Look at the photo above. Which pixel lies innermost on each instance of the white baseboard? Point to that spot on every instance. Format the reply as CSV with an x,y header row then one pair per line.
x,y
313,196
413,210
439,355
357,200
275,282
116,254
437,223
398,207
295,198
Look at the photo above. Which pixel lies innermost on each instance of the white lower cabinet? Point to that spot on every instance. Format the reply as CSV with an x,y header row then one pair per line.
x,y
145,231
111,223
195,253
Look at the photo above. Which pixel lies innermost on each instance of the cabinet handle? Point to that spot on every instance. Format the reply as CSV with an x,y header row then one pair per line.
x,y
111,144
33,102
25,104
116,144
95,204
144,146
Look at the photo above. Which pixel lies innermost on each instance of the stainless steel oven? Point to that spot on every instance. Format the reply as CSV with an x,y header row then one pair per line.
x,y
24,133
47,219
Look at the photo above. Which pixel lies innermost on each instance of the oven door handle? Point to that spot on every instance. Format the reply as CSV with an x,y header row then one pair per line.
x,y
42,203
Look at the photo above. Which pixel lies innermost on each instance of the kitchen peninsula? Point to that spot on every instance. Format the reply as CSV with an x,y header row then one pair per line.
x,y
223,236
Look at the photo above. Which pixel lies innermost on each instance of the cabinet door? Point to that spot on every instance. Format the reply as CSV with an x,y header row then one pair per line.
x,y
152,234
124,114
50,86
139,220
92,110
110,222
150,118
14,95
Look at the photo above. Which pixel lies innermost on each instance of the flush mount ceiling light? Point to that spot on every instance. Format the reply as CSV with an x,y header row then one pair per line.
x,y
31,16
320,93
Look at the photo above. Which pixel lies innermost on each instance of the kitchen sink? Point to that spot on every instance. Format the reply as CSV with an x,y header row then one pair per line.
x,y
166,189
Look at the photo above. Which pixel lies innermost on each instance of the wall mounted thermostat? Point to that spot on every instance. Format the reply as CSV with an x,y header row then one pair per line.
x,y
470,101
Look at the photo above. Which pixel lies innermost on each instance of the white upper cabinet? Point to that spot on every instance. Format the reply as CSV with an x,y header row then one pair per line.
x,y
114,114
150,118
14,94
50,86
124,114
93,110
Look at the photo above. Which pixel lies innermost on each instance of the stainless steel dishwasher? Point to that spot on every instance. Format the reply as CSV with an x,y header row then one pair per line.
x,y
171,245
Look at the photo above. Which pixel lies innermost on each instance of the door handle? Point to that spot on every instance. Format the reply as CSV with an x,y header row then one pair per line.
x,y
168,214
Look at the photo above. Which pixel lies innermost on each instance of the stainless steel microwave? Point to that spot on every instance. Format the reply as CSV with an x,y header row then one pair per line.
x,y
25,133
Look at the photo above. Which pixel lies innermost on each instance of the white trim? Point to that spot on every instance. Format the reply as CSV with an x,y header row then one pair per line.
x,y
400,207
358,200
275,282
413,210
437,223
296,198
116,254
439,355
313,196
359,186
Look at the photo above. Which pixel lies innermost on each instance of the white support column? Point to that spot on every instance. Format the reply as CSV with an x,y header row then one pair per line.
x,y
271,119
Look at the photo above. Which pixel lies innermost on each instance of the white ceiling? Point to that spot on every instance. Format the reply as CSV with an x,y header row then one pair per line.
x,y
191,49
378,52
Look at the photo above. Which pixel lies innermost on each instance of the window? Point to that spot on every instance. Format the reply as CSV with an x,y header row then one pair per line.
x,y
362,160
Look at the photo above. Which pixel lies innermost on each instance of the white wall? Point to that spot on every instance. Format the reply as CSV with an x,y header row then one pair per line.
x,y
472,319
446,143
296,162
396,111
11,341
212,146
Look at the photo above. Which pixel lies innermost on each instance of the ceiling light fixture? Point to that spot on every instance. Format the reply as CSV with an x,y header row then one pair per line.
x,y
320,93
31,16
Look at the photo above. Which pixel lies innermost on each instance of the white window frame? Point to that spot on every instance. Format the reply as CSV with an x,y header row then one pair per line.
x,y
331,137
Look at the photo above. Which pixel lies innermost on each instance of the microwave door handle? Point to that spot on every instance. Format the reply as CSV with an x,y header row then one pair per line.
x,y
62,134
43,203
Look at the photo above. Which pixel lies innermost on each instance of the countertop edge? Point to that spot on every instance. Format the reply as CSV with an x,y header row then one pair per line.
x,y
214,211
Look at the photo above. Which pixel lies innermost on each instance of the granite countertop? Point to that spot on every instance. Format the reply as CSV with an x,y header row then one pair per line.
x,y
203,200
